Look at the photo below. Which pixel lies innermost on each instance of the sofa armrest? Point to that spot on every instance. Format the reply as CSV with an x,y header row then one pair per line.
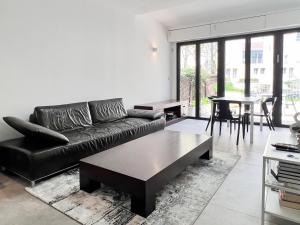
x,y
147,114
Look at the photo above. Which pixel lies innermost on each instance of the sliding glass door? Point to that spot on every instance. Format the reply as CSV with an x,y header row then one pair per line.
x,y
261,68
290,77
259,65
235,68
208,76
188,77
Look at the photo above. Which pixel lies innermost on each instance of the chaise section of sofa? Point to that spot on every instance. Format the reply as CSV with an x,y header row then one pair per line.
x,y
89,132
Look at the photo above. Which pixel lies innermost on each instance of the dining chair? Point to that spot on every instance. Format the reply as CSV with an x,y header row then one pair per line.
x,y
225,114
209,120
267,107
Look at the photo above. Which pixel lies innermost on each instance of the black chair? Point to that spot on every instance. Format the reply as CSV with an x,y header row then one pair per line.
x,y
267,110
225,114
209,120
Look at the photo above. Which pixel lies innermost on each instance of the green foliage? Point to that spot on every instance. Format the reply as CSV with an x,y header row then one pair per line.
x,y
292,99
188,72
215,88
193,103
204,76
204,101
230,87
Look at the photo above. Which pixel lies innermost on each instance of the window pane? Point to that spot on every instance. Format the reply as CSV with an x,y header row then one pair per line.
x,y
208,75
235,67
291,77
261,70
187,77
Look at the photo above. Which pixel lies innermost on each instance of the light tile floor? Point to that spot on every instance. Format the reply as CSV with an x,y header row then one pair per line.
x,y
237,202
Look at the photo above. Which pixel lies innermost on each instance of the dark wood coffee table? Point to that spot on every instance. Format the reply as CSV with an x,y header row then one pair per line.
x,y
142,166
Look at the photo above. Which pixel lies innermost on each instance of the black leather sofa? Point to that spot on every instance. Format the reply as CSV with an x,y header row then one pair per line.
x,y
91,127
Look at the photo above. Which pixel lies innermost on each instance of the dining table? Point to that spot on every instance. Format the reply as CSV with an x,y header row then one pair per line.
x,y
249,101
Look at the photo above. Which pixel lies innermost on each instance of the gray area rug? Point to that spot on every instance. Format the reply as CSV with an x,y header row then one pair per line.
x,y
179,202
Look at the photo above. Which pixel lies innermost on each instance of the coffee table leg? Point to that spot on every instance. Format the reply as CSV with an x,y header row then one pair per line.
x,y
207,155
143,205
88,185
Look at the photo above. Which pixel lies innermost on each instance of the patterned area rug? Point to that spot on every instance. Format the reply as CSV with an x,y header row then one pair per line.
x,y
179,202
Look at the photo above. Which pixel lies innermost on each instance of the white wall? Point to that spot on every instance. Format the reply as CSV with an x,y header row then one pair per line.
x,y
63,51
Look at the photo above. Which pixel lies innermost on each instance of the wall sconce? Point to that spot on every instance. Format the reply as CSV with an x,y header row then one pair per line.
x,y
155,50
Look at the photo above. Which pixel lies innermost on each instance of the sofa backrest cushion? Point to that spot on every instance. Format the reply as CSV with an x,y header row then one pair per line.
x,y
107,110
36,132
63,117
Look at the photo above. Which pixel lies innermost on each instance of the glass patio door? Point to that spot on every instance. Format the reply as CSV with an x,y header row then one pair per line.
x,y
235,67
261,68
290,77
188,78
208,76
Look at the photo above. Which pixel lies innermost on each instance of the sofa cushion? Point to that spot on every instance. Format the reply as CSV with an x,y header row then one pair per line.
x,y
103,136
109,129
35,132
107,110
64,117
148,114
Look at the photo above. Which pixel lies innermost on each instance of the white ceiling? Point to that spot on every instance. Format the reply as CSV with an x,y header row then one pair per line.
x,y
145,6
183,13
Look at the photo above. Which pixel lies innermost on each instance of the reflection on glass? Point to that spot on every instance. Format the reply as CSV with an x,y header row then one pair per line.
x,y
234,68
261,68
187,77
208,75
291,77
